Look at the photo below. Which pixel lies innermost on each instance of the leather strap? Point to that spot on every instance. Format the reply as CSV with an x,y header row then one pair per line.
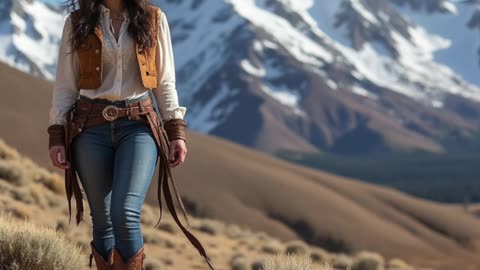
x,y
71,182
164,176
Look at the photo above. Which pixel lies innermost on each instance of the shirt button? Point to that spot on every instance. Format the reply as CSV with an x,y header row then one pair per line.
x,y
97,51
97,68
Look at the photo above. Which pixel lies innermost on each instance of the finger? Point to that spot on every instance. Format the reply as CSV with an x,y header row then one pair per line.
x,y
62,158
172,152
181,157
175,162
183,154
54,158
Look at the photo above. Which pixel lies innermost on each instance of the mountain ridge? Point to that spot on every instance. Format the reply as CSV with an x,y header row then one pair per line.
x,y
260,72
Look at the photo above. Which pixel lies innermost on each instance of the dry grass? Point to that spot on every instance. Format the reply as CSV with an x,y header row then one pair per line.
x,y
19,171
28,246
293,262
7,152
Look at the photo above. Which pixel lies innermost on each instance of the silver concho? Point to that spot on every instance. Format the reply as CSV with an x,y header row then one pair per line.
x,y
110,112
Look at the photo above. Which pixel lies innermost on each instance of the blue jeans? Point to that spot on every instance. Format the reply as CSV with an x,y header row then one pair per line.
x,y
115,162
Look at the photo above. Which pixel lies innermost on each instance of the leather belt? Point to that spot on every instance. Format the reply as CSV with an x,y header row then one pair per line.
x,y
95,113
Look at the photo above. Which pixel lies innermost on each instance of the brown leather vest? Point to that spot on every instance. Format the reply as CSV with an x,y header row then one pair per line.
x,y
90,57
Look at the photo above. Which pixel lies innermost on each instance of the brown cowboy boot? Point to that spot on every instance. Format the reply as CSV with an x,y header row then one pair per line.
x,y
99,261
134,263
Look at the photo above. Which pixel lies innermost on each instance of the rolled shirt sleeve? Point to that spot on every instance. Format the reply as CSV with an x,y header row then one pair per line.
x,y
65,90
166,93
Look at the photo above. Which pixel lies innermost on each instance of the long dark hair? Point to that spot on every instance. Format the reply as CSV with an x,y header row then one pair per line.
x,y
139,12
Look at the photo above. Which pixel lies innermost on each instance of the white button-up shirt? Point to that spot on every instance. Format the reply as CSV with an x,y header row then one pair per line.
x,y
121,77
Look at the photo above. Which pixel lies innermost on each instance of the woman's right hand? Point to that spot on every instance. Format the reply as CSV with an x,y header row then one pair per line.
x,y
57,155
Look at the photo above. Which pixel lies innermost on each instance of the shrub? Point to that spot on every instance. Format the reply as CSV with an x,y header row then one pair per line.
x,y
52,181
258,264
11,171
368,261
233,231
151,237
22,195
296,247
211,227
319,255
272,247
292,262
397,264
147,216
169,243
38,195
239,262
19,170
341,262
153,265
21,211
169,227
29,246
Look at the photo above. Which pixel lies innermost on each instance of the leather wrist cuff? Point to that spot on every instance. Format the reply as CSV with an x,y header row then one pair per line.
x,y
175,129
56,135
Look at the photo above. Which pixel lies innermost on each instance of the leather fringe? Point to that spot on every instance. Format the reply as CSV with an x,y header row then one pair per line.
x,y
72,186
165,175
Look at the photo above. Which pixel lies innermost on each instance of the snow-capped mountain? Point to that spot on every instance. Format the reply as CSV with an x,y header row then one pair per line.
x,y
347,76
29,36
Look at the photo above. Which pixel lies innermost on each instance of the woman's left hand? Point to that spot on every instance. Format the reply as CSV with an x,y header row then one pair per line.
x,y
178,151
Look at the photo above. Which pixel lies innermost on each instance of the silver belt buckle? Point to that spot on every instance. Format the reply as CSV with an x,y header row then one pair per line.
x,y
110,112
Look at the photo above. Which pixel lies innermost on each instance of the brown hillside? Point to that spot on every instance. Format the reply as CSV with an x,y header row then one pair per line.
x,y
26,240
226,181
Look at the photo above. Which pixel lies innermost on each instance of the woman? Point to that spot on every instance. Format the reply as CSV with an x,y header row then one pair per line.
x,y
114,111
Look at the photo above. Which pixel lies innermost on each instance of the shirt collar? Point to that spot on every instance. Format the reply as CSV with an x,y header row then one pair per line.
x,y
106,11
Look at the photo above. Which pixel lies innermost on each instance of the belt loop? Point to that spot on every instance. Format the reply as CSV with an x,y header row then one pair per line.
x,y
90,108
129,112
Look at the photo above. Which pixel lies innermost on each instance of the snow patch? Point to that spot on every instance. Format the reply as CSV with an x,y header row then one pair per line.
x,y
363,12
